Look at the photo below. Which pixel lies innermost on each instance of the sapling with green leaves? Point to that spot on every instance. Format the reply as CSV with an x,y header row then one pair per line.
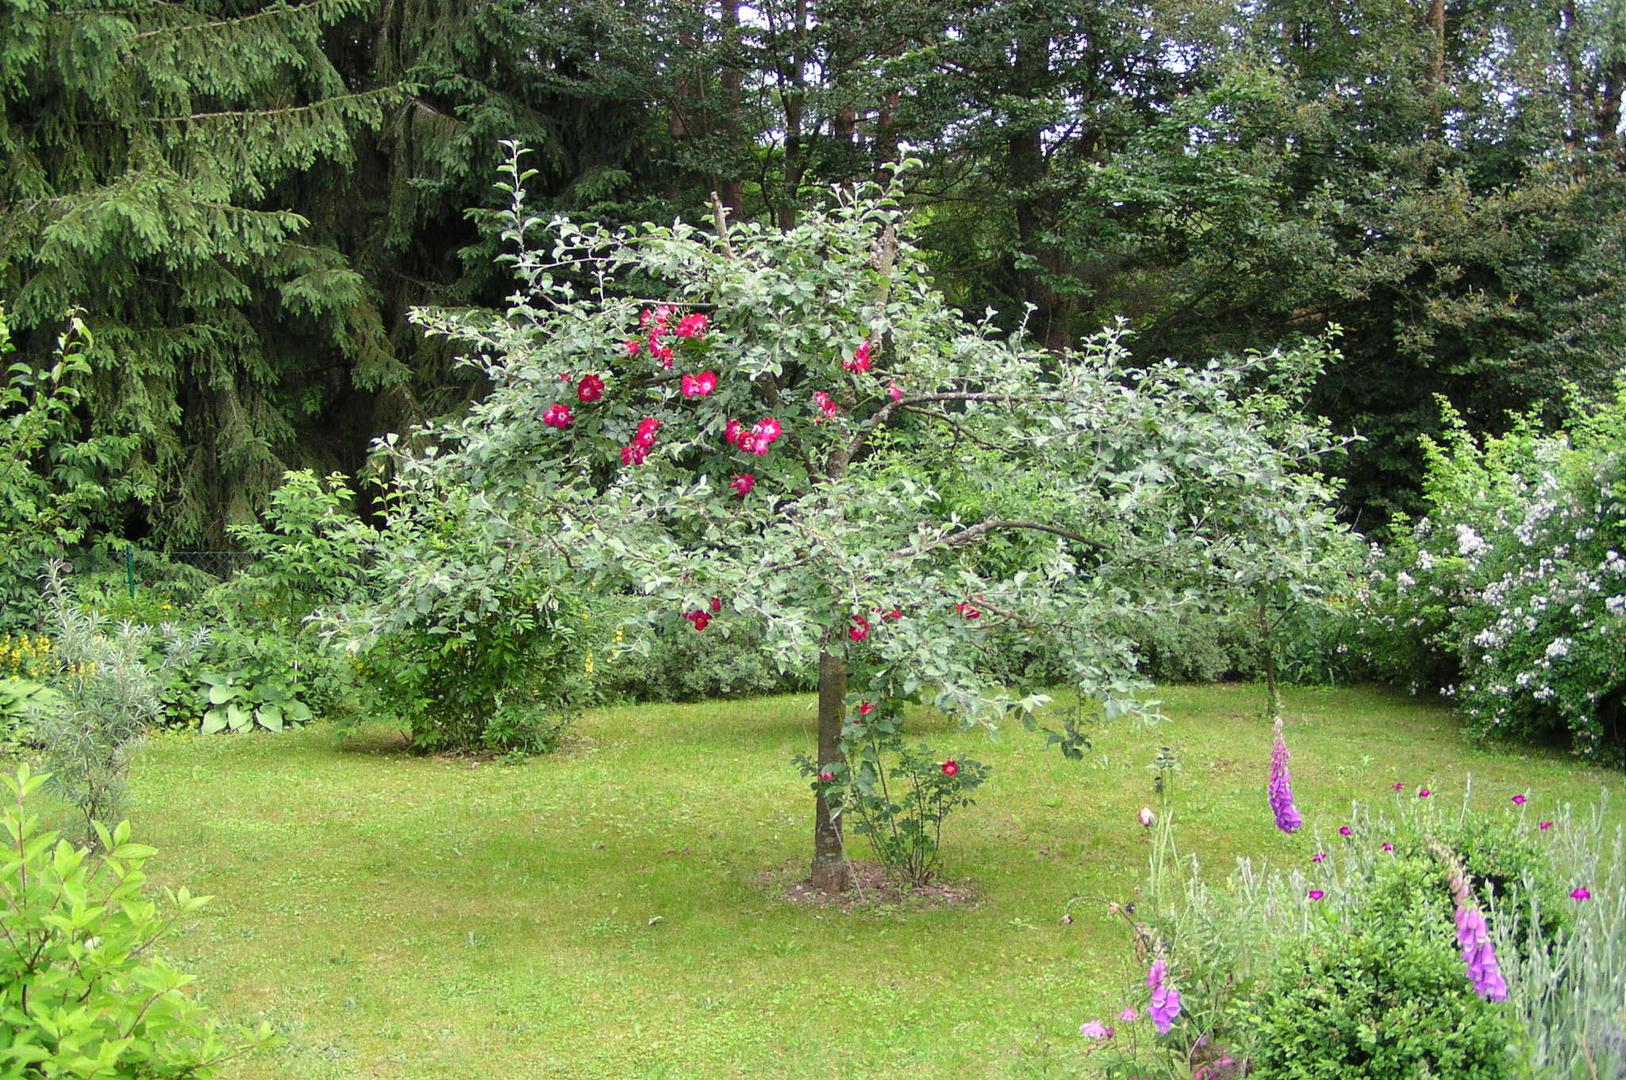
x,y
793,429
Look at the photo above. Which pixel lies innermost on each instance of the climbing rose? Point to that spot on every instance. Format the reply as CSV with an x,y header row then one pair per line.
x,y
893,392
646,432
1094,1029
861,359
700,385
558,416
1581,892
826,404
894,615
859,630
951,767
1519,800
634,455
758,439
691,326
590,389
1165,1004
1316,894
967,611
1281,789
632,348
716,603
743,483
700,619
827,777
866,708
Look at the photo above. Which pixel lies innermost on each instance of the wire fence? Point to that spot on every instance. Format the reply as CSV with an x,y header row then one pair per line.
x,y
131,567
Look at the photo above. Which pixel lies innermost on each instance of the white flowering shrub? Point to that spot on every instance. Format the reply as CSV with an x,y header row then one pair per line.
x,y
1510,595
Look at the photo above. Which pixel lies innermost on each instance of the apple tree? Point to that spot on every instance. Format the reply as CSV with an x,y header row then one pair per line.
x,y
792,427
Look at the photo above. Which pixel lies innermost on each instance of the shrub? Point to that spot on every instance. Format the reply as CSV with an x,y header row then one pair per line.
x,y
1379,993
1351,964
678,664
471,642
1511,593
81,990
109,698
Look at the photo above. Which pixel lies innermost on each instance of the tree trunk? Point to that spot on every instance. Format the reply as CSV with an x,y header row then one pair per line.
x,y
1436,45
830,871
730,186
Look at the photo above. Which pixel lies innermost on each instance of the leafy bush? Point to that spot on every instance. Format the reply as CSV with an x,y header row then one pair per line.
x,y
81,990
1379,992
57,488
470,641
1352,964
1511,593
678,664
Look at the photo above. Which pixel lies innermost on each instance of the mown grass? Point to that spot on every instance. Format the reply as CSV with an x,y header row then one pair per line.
x,y
614,910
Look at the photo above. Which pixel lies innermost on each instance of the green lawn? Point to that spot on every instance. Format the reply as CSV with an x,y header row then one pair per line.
x,y
614,910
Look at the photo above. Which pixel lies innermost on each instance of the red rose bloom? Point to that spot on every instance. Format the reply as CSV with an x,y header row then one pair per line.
x,y
716,604
861,359
743,483
590,389
691,326
557,416
951,767
859,630
634,455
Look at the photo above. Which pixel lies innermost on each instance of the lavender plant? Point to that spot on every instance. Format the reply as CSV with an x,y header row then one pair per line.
x,y
108,696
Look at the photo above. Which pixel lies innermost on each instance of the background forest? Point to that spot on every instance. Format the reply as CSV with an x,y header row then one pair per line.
x,y
245,199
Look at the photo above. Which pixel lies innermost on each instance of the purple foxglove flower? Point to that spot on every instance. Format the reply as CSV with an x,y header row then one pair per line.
x,y
1281,791
1478,954
1165,1004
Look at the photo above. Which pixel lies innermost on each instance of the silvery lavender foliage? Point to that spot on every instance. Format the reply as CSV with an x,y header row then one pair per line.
x,y
109,691
1281,790
1567,989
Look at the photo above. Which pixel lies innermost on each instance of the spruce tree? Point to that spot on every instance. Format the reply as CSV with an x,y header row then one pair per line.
x,y
147,146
